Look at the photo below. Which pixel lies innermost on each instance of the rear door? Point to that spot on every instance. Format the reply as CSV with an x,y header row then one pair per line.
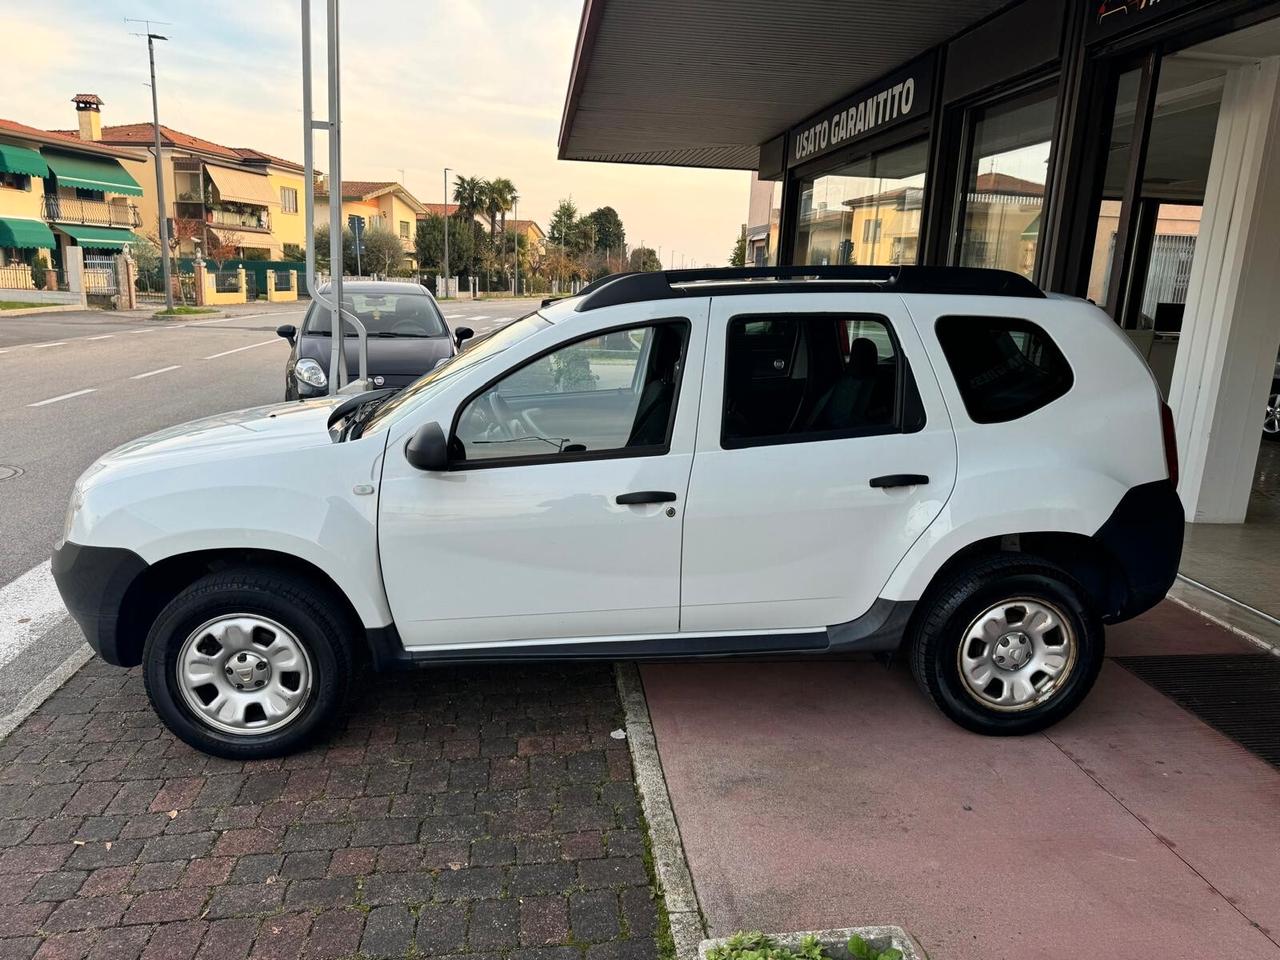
x,y
824,450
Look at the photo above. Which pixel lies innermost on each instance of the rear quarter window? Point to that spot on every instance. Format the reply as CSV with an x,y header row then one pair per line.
x,y
1004,367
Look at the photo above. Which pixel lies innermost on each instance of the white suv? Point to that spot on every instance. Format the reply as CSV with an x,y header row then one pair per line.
x,y
792,461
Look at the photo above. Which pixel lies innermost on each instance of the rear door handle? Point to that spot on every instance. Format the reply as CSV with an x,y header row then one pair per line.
x,y
646,496
899,480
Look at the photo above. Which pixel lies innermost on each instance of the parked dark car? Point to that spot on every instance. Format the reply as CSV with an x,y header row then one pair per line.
x,y
407,338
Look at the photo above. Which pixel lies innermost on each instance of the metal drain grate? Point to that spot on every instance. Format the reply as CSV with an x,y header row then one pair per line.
x,y
1236,694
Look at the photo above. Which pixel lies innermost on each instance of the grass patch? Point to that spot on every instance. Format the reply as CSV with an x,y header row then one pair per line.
x,y
184,311
757,946
21,305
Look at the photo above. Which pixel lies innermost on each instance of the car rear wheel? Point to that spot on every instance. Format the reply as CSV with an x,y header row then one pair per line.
x,y
1271,422
248,664
1007,647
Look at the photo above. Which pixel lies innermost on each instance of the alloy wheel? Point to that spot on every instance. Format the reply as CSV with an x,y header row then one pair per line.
x,y
1017,654
1271,422
244,674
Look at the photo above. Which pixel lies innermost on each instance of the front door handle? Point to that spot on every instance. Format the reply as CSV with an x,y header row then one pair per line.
x,y
899,480
645,496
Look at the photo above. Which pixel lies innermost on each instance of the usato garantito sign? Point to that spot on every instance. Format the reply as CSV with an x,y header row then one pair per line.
x,y
905,95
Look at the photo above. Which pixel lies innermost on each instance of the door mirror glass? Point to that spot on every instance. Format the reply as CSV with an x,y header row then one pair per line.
x,y
288,331
428,449
462,333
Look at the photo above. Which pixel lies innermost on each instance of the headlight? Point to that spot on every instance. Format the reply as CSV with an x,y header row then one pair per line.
x,y
73,507
310,373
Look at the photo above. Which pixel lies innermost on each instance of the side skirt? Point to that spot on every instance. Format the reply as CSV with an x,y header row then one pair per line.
x,y
878,630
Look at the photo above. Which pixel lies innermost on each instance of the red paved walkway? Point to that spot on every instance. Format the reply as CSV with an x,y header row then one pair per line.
x,y
830,794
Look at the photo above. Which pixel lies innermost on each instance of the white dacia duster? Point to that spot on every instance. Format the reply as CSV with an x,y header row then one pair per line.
x,y
796,461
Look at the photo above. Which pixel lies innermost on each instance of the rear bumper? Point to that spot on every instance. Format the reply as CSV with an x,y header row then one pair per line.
x,y
93,582
1144,535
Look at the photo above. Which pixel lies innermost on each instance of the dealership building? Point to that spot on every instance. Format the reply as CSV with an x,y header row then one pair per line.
x,y
1125,152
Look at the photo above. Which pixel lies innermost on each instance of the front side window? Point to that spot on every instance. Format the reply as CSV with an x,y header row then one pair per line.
x,y
1005,368
611,394
795,378
1003,196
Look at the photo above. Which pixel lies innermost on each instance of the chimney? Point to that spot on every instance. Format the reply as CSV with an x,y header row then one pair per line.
x,y
89,114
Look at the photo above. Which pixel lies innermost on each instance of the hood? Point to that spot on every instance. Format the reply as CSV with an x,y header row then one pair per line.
x,y
403,358
227,436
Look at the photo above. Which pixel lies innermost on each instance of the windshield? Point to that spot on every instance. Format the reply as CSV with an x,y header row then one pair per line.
x,y
479,350
383,314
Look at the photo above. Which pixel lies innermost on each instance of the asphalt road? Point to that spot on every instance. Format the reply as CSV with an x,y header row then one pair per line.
x,y
75,385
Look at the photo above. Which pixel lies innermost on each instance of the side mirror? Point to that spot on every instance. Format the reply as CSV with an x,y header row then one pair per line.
x,y
288,331
462,333
428,449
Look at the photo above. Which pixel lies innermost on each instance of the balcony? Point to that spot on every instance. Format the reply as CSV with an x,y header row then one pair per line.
x,y
238,220
95,213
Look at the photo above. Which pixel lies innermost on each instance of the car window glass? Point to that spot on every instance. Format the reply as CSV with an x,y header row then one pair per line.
x,y
384,315
790,378
615,392
1005,368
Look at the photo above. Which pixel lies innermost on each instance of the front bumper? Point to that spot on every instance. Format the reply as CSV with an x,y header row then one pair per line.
x,y
93,582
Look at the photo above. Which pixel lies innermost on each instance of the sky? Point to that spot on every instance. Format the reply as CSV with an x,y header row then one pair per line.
x,y
475,85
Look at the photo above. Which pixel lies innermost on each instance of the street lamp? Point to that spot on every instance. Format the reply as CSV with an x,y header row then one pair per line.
x,y
446,232
515,242
163,213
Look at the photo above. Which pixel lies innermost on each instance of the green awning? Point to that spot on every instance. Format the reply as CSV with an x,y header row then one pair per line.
x,y
25,234
21,160
91,173
111,238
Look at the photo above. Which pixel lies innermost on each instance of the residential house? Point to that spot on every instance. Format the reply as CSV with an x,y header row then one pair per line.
x,y
535,238
451,210
375,203
57,191
215,196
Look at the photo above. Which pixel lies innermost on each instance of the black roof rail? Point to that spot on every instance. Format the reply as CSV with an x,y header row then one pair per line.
x,y
671,284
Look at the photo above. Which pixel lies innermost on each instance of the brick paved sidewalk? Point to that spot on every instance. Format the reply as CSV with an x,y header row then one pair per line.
x,y
484,812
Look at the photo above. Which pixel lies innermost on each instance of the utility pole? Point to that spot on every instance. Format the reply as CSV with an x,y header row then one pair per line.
x,y
162,213
446,231
515,243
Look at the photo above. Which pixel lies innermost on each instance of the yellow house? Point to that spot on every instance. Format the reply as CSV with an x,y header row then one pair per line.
x,y
376,203
58,192
236,199
535,238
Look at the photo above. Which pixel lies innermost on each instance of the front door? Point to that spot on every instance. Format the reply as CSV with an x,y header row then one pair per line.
x,y
561,518
824,450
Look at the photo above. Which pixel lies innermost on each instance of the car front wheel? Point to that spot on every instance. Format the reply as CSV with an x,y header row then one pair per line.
x,y
1007,647
1271,422
248,664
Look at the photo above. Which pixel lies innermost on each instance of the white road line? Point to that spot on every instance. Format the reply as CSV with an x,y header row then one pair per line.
x,y
41,346
65,396
152,373
105,336
29,606
453,316
483,316
201,323
225,353
144,330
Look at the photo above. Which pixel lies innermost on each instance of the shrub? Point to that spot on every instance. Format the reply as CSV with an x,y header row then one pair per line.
x,y
39,276
757,946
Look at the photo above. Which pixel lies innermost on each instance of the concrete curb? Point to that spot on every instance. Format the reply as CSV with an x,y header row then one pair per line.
x,y
44,689
1235,617
56,308
674,880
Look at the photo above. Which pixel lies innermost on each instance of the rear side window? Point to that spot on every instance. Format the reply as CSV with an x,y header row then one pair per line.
x,y
795,378
1005,368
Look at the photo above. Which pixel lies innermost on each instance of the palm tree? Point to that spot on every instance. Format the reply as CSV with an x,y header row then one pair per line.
x,y
471,196
502,197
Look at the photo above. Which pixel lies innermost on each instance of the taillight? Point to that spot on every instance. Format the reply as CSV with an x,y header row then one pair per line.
x,y
1170,442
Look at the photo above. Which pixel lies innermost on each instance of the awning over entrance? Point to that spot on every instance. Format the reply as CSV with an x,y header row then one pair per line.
x,y
91,173
109,238
14,159
701,83
25,234
238,186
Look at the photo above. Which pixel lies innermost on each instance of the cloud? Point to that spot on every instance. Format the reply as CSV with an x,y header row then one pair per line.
x,y
477,85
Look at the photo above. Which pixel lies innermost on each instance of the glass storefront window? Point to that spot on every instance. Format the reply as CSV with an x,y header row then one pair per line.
x,y
867,212
1104,239
1004,187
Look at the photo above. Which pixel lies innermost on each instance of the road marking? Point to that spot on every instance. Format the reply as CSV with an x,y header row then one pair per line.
x,y
483,316
29,606
201,323
144,330
65,396
41,346
453,316
225,353
105,336
152,373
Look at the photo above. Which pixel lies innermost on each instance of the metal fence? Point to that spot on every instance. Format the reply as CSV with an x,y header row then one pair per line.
x,y
18,276
282,280
226,281
150,287
100,276
1168,273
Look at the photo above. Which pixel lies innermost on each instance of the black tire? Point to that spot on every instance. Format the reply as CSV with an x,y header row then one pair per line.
x,y
308,612
1273,403
947,610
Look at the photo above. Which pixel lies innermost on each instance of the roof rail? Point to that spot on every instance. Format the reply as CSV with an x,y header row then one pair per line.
x,y
671,284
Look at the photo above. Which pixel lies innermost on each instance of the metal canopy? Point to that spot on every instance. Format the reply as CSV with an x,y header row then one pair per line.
x,y
702,83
